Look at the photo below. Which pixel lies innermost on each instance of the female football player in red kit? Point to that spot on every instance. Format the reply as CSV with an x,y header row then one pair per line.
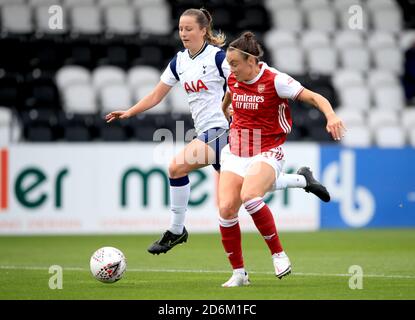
x,y
254,158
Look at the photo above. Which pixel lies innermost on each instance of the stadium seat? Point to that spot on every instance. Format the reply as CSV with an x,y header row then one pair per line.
x,y
81,53
143,75
385,19
105,75
108,3
379,118
289,60
154,19
288,19
357,137
389,59
80,98
275,5
10,90
115,54
356,97
344,5
5,2
223,18
314,39
114,96
377,78
276,38
357,58
76,134
322,60
390,137
151,55
146,3
178,100
39,124
39,3
41,93
16,18
408,118
319,134
348,39
321,19
47,53
381,39
113,132
142,90
375,5
86,20
322,84
307,5
5,126
254,18
351,117
345,78
39,133
69,75
389,97
73,3
120,20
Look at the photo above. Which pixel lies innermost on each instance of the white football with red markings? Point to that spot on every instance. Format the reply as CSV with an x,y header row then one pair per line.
x,y
108,264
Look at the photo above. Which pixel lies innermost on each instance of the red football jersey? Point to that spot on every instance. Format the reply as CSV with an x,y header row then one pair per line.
x,y
262,118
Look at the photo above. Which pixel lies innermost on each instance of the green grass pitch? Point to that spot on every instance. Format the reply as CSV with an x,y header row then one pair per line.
x,y
320,260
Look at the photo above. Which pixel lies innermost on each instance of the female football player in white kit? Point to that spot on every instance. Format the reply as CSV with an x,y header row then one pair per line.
x,y
201,68
250,165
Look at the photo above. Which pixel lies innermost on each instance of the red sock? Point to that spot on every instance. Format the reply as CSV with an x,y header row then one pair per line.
x,y
231,240
264,221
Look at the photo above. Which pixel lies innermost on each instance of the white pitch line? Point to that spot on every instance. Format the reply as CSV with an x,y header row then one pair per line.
x,y
307,274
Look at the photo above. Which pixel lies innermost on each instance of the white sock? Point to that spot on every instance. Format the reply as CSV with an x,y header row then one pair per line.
x,y
179,199
288,180
281,254
239,270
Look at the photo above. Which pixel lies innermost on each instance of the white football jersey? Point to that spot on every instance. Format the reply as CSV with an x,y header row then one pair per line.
x,y
203,76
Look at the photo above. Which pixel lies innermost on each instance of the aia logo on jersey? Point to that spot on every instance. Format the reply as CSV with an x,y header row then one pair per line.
x,y
195,87
261,88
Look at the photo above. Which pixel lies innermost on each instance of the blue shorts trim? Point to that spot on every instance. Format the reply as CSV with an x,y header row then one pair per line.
x,y
216,138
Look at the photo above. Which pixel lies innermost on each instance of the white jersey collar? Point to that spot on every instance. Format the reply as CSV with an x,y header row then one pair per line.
x,y
259,75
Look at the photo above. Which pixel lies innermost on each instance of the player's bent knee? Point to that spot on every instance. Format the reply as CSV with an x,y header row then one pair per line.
x,y
249,195
177,170
228,210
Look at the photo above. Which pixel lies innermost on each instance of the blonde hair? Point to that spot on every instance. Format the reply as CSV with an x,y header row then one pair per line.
x,y
204,20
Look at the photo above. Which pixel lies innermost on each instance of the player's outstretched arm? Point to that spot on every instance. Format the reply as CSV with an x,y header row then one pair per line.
x,y
335,125
148,102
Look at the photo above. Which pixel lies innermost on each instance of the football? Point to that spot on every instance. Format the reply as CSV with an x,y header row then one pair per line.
x,y
108,264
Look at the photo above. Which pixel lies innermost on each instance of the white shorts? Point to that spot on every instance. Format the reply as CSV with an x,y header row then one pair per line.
x,y
240,165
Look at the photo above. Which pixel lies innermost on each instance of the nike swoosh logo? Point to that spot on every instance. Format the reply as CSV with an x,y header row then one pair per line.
x,y
269,237
172,243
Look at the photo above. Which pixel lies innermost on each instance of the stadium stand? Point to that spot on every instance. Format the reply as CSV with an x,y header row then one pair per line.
x,y
58,83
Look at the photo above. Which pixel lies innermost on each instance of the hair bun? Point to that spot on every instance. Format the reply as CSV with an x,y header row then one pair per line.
x,y
248,35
